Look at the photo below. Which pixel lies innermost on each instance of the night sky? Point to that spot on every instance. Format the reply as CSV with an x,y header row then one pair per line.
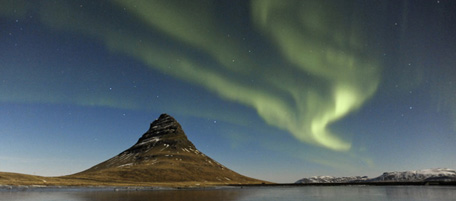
x,y
273,89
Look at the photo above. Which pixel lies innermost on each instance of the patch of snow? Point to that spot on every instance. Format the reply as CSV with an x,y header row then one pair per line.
x,y
166,146
124,165
153,139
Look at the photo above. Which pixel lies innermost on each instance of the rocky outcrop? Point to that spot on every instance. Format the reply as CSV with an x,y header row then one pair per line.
x,y
164,130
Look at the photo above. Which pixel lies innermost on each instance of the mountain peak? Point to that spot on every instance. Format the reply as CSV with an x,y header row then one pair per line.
x,y
165,124
166,117
164,130
163,154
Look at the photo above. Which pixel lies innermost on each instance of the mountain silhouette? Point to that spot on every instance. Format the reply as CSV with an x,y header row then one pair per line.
x,y
163,154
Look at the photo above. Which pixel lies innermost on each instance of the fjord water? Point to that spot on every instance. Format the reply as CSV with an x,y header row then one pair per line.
x,y
307,193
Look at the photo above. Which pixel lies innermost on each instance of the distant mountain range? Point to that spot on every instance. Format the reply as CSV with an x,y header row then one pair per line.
x,y
436,174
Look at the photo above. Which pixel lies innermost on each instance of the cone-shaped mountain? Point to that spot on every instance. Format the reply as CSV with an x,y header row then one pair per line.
x,y
163,154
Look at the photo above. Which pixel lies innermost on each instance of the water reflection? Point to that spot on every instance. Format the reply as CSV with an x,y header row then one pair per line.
x,y
168,195
339,193
421,192
177,195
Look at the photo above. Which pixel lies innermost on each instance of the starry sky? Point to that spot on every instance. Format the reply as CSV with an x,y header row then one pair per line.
x,y
273,89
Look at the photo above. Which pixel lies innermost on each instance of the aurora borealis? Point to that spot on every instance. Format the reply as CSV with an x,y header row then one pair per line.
x,y
262,86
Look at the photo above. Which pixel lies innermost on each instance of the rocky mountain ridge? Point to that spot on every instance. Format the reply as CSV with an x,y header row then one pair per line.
x,y
435,174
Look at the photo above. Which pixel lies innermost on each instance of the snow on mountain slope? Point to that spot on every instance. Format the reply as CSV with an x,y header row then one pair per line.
x,y
435,174
331,179
418,175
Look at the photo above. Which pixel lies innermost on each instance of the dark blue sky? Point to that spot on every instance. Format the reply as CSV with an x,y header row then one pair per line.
x,y
276,90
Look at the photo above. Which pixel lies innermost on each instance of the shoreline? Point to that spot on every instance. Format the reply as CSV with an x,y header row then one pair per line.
x,y
411,183
51,188
43,188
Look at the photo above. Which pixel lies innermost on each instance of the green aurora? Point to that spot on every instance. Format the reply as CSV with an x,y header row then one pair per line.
x,y
317,44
